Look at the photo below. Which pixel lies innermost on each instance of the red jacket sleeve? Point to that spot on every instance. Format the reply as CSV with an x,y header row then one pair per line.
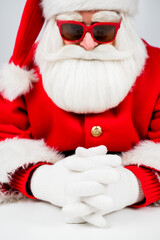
x,y
150,185
13,119
146,155
18,150
20,180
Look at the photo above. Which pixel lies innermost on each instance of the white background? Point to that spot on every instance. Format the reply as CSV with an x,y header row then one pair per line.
x,y
147,23
33,220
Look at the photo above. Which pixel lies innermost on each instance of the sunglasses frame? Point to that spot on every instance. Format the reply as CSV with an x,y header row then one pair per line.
x,y
88,29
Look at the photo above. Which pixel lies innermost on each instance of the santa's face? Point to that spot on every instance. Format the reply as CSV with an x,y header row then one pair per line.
x,y
88,42
87,76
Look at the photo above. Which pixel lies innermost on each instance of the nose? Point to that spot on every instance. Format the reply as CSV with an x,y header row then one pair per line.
x,y
88,42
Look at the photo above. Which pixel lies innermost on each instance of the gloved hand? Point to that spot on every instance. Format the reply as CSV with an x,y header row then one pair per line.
x,y
113,196
48,181
91,158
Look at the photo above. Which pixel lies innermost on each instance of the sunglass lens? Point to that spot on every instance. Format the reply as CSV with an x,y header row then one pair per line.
x,y
71,32
104,33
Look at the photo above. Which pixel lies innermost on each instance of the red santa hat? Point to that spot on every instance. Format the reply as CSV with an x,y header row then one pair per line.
x,y
34,15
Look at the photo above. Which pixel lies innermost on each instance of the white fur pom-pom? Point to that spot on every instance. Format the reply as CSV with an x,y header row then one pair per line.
x,y
15,81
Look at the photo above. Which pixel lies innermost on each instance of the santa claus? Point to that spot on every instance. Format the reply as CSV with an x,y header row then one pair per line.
x,y
80,110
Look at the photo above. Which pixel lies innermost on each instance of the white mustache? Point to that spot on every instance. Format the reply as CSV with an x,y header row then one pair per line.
x,y
101,53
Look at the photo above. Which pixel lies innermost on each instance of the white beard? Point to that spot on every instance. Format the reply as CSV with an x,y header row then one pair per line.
x,y
94,81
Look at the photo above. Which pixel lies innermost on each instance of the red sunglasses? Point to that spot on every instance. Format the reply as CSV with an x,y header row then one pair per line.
x,y
101,32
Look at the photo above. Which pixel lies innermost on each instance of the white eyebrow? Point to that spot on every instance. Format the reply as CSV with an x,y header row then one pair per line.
x,y
70,16
106,16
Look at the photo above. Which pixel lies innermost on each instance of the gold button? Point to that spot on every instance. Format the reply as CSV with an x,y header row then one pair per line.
x,y
96,131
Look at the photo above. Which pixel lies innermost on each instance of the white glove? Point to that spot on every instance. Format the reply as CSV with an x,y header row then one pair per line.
x,y
89,162
92,158
114,196
48,181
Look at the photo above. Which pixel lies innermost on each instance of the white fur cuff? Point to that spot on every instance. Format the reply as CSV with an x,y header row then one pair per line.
x,y
15,81
146,153
15,153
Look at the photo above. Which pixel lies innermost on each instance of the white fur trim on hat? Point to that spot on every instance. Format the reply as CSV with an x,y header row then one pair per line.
x,y
15,81
54,7
146,153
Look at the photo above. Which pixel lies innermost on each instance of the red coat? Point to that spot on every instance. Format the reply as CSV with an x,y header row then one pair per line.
x,y
136,118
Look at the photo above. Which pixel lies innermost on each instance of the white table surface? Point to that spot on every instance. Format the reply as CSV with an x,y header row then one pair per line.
x,y
27,220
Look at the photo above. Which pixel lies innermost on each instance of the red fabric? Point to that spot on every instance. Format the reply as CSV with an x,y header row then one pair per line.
x,y
154,130
20,178
150,185
14,120
30,26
